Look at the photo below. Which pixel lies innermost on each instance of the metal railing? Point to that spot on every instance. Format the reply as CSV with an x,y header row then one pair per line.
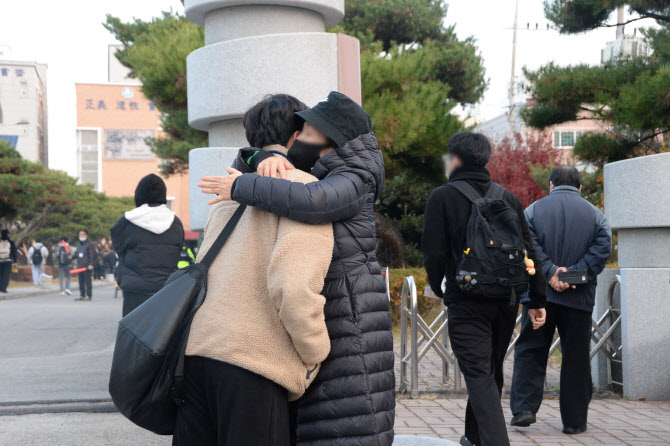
x,y
434,336
606,328
424,337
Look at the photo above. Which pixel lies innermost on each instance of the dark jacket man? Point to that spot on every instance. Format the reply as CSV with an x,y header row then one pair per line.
x,y
480,328
570,234
148,241
445,222
87,255
352,400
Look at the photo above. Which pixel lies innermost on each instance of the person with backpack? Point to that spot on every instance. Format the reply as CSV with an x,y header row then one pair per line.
x,y
37,257
64,256
86,258
476,238
8,256
570,234
148,240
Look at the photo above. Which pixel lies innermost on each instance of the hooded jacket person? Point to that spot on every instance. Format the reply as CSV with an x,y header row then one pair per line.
x,y
352,400
148,241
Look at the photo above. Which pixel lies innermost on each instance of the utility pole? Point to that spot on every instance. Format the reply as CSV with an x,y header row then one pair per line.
x,y
620,22
512,85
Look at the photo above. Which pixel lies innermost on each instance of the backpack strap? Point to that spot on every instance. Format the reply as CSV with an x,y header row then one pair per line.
x,y
466,190
495,192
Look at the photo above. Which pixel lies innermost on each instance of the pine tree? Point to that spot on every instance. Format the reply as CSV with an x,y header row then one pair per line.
x,y
628,95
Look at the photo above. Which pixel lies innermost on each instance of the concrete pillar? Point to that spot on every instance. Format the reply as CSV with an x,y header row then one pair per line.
x,y
637,205
254,48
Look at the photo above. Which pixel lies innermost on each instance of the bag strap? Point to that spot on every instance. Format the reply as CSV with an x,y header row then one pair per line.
x,y
223,237
176,391
467,190
495,192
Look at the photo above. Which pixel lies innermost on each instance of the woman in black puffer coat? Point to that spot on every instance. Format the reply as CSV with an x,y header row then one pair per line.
x,y
352,400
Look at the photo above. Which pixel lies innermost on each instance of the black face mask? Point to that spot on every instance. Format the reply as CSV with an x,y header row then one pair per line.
x,y
304,155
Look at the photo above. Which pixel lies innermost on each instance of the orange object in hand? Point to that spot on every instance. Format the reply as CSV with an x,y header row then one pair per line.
x,y
77,271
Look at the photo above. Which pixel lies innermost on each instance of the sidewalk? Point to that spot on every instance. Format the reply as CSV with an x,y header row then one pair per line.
x,y
611,422
430,375
47,287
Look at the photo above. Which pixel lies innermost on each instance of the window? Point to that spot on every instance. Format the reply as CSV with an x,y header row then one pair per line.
x,y
566,138
89,161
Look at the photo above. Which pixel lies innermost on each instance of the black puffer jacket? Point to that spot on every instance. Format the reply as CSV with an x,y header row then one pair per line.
x,y
148,248
352,400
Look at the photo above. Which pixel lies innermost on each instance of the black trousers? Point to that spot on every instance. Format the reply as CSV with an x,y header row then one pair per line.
x,y
480,333
530,363
5,272
226,405
133,300
86,283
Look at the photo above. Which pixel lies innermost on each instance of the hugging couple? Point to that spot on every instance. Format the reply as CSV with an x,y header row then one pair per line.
x,y
293,342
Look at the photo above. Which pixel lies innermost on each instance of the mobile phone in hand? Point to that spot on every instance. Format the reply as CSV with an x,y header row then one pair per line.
x,y
576,277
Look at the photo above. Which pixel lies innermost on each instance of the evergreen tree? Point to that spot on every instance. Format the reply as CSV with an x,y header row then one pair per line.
x,y
414,72
629,95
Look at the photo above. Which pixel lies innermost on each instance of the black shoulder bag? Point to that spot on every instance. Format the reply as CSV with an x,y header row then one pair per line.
x,y
148,364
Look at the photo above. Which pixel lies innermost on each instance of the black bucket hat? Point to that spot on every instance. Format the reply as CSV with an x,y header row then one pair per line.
x,y
339,118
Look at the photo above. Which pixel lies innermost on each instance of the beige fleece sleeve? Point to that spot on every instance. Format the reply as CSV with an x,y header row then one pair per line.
x,y
296,273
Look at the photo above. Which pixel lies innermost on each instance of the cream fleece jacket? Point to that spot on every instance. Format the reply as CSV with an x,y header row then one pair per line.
x,y
263,311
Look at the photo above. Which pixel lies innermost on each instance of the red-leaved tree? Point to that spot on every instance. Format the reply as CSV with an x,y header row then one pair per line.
x,y
511,159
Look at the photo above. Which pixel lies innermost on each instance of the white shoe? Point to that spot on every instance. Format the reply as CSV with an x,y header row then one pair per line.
x,y
62,293
68,292
46,276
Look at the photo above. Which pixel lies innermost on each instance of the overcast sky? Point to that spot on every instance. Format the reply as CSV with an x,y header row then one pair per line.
x,y
69,37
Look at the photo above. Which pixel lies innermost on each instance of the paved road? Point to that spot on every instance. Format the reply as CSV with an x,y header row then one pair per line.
x,y
55,356
53,348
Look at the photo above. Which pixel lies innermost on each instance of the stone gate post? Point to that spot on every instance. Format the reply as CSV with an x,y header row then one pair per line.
x,y
637,204
254,48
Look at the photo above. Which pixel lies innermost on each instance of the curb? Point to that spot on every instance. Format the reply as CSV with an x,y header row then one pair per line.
x,y
63,406
44,291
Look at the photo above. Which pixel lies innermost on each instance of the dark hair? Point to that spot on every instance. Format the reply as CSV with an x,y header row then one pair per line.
x,y
473,149
5,233
84,230
566,176
64,239
38,240
273,120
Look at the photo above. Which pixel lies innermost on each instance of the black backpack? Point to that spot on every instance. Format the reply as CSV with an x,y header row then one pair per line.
x,y
63,257
492,264
37,256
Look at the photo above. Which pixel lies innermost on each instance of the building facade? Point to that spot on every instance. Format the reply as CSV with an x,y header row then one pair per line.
x,y
563,136
23,108
113,122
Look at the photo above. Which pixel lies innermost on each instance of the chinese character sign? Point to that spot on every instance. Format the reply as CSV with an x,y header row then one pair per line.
x,y
128,145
